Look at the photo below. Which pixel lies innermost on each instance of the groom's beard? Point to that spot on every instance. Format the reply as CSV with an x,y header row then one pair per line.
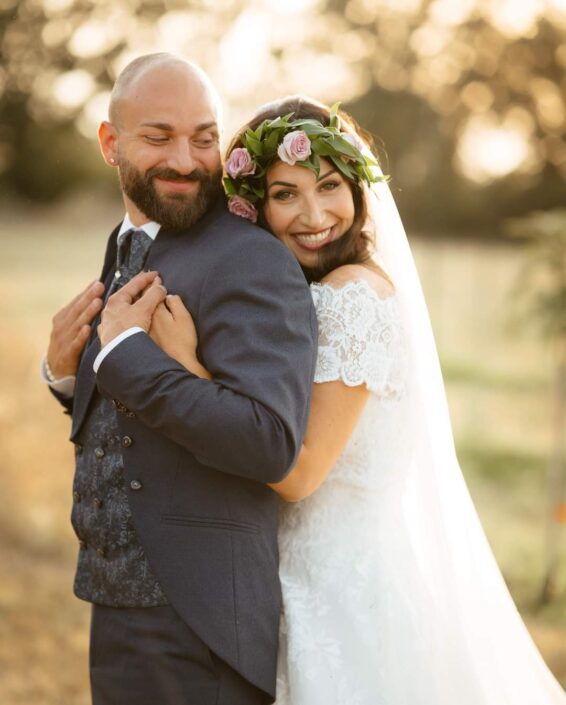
x,y
176,211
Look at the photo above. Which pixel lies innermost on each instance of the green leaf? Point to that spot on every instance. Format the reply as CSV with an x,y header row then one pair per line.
x,y
251,133
259,192
366,174
312,167
315,159
271,143
334,118
342,145
313,129
279,122
263,126
254,145
306,122
322,148
341,166
247,134
229,186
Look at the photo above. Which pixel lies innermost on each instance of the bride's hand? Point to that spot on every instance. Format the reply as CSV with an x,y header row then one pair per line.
x,y
173,329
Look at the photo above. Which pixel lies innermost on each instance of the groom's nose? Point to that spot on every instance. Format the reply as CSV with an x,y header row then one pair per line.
x,y
181,157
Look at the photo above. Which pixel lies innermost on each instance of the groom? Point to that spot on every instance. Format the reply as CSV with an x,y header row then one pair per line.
x,y
176,526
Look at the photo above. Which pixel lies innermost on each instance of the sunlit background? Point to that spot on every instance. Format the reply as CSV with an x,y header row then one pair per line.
x,y
466,103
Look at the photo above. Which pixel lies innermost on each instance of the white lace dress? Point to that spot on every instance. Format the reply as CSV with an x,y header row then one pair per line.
x,y
344,558
362,624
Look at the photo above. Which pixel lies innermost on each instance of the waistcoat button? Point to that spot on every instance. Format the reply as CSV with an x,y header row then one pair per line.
x,y
127,441
76,496
97,502
99,452
136,485
82,544
100,552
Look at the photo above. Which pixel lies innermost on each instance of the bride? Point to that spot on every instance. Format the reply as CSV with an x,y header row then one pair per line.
x,y
391,594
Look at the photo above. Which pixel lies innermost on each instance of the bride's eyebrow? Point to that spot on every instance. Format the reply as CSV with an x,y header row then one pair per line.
x,y
282,183
289,185
332,171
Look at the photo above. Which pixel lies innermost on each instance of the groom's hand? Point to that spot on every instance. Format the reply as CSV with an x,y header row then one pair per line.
x,y
127,308
71,330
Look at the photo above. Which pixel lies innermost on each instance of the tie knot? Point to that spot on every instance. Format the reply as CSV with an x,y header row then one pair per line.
x,y
137,232
133,235
132,254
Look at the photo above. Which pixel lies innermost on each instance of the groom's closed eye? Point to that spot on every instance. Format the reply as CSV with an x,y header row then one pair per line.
x,y
157,139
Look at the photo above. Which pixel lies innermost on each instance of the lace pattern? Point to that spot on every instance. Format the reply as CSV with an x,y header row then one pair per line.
x,y
391,595
363,622
360,338
333,544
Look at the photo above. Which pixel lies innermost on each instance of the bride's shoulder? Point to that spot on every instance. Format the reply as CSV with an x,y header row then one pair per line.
x,y
372,275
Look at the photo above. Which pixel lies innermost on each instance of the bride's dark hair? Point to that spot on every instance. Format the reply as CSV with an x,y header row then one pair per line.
x,y
357,243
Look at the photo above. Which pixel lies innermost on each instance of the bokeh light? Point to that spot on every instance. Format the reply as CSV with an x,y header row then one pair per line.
x,y
466,100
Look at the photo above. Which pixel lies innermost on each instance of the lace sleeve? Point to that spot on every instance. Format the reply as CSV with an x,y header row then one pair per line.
x,y
360,338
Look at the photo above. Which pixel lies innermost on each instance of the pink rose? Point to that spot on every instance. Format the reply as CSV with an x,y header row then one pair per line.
x,y
240,163
242,207
296,147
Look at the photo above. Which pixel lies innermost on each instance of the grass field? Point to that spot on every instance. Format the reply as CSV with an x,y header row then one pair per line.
x,y
499,382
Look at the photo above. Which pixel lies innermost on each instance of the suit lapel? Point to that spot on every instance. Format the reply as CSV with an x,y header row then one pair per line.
x,y
86,379
166,239
160,246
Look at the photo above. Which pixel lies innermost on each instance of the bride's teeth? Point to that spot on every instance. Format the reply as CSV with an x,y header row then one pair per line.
x,y
312,239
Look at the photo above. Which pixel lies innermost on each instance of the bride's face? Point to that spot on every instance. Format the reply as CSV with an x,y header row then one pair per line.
x,y
307,213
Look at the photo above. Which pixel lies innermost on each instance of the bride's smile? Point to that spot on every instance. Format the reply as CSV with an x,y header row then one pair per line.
x,y
307,213
314,241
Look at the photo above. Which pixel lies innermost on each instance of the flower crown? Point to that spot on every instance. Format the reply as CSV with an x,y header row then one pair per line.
x,y
303,142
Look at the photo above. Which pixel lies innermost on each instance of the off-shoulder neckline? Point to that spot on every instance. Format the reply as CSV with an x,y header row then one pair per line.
x,y
355,283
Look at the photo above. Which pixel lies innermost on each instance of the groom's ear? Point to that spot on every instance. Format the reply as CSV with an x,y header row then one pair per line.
x,y
108,141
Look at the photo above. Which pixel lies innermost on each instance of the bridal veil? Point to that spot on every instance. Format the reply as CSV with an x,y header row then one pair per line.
x,y
476,636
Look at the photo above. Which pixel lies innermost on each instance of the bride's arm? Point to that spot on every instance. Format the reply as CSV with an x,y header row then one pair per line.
x,y
335,407
334,413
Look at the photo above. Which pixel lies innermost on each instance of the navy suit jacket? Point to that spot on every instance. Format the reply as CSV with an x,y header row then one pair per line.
x,y
202,451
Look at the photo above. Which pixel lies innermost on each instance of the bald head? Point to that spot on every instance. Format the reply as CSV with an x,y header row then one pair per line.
x,y
163,136
143,73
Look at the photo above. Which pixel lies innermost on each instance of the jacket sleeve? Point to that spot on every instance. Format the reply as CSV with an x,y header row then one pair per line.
x,y
257,336
66,402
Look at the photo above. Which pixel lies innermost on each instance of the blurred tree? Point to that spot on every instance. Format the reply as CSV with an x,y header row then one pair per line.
x,y
542,286
466,95
492,76
58,58
41,154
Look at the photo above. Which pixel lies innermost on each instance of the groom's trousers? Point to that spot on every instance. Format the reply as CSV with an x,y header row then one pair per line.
x,y
149,656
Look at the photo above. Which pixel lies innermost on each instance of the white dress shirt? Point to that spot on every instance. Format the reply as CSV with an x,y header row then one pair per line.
x,y
66,385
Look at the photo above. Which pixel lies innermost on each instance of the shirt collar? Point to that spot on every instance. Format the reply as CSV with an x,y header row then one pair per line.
x,y
150,228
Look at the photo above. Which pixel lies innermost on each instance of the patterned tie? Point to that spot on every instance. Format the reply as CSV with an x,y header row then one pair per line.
x,y
132,254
